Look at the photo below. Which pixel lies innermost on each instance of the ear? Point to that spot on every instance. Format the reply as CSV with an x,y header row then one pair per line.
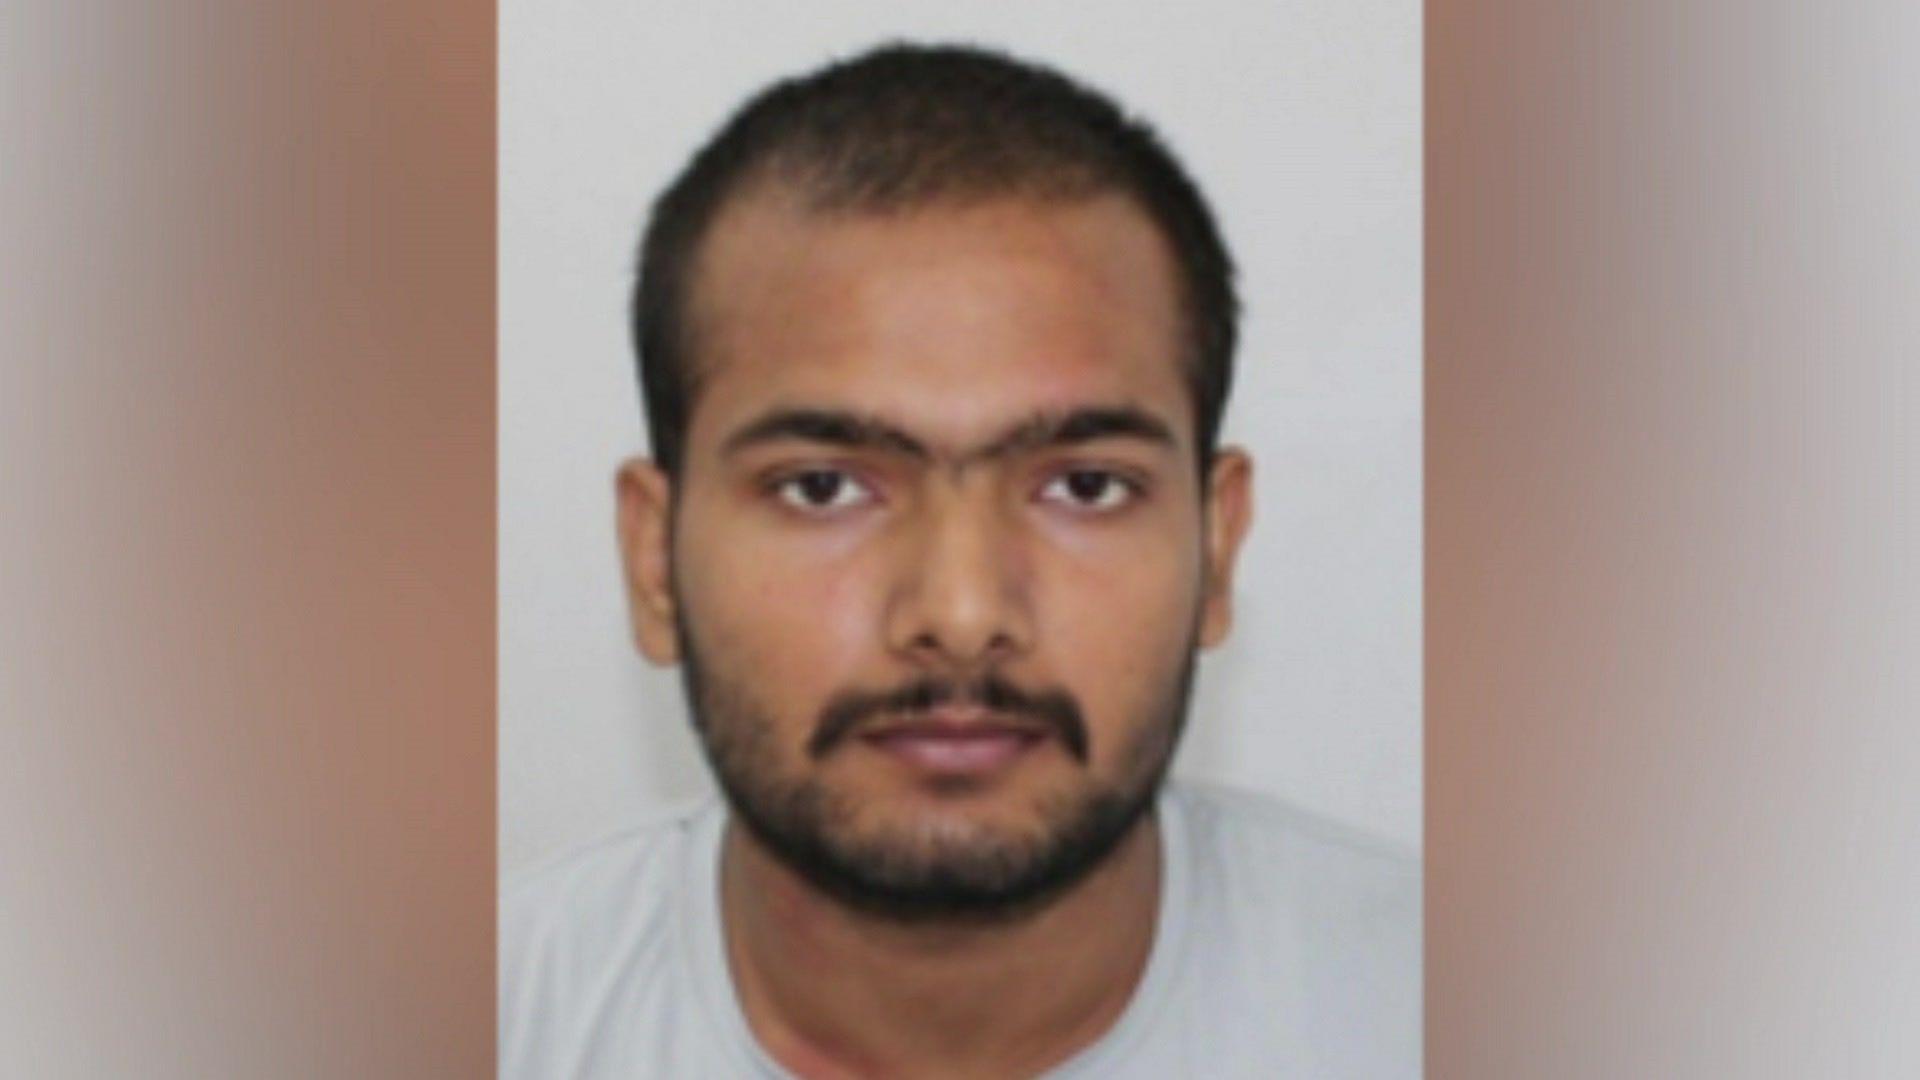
x,y
1229,511
644,511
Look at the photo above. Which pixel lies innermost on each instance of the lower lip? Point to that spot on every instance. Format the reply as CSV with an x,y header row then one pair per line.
x,y
972,752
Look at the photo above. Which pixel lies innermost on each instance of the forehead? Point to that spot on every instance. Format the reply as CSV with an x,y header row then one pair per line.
x,y
949,319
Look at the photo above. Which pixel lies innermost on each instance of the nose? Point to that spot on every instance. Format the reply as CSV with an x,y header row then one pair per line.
x,y
960,601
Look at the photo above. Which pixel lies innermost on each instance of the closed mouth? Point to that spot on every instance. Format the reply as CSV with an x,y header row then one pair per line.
x,y
956,740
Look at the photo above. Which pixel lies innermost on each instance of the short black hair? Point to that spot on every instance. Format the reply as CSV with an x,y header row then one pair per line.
x,y
904,126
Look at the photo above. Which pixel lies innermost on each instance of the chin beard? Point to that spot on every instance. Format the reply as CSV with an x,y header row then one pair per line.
x,y
988,876
915,879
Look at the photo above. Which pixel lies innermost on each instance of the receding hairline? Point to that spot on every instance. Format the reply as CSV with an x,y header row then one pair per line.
x,y
779,193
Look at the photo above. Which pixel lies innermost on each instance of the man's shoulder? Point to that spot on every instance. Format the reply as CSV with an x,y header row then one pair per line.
x,y
612,870
1266,855
616,894
1261,834
593,944
1308,918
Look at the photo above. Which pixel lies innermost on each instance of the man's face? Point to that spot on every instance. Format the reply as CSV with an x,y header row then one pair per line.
x,y
939,558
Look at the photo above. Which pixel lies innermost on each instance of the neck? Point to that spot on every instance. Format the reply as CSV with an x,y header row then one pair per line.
x,y
833,992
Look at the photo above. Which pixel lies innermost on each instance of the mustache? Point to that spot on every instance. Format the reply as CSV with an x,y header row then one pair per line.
x,y
1055,710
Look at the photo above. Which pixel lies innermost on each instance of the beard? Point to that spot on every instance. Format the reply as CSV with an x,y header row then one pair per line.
x,y
923,876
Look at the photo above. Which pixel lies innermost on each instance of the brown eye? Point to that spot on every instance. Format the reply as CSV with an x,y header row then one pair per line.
x,y
1090,489
821,489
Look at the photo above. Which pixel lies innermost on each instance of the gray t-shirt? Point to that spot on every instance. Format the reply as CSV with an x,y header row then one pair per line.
x,y
1284,947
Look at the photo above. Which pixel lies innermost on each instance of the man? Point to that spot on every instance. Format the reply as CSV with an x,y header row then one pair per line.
x,y
935,346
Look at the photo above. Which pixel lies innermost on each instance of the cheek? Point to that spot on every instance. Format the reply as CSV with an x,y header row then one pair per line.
x,y
795,619
1118,628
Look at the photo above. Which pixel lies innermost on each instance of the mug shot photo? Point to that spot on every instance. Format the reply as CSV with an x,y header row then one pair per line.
x,y
935,345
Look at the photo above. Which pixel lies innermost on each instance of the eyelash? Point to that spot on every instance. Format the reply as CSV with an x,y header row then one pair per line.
x,y
778,486
1132,488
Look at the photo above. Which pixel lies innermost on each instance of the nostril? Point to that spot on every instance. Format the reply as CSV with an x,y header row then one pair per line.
x,y
958,649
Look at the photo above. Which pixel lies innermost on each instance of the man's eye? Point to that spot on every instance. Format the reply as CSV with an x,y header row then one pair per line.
x,y
821,489
1090,489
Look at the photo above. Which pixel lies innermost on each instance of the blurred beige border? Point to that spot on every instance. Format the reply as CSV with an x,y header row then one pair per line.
x,y
1673,739
246,570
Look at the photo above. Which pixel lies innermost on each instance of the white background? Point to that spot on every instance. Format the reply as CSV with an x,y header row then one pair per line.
x,y
1301,122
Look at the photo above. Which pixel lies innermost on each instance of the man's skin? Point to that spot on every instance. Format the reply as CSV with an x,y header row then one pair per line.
x,y
969,539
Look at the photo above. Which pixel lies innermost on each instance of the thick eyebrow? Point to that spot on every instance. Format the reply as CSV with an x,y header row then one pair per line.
x,y
830,426
1077,426
851,430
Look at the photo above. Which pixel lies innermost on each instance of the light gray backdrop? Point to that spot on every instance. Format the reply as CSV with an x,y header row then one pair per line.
x,y
1301,121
